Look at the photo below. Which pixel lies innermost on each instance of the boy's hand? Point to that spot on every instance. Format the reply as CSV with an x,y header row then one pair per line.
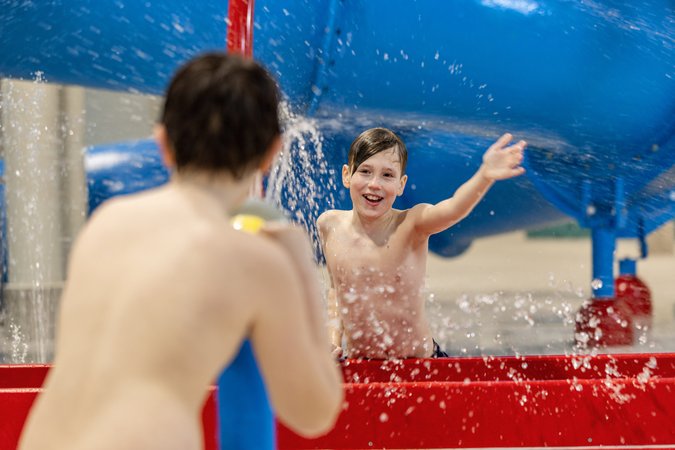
x,y
336,352
501,162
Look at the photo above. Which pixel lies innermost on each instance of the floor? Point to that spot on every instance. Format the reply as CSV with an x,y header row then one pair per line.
x,y
511,294
506,295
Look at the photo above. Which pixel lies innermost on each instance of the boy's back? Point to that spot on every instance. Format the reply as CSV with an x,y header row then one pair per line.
x,y
162,291
165,292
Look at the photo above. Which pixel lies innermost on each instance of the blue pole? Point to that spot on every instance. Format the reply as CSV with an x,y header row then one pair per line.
x,y
604,242
244,412
628,266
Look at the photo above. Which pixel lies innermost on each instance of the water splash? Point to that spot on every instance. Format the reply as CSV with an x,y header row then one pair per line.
x,y
18,345
30,231
292,184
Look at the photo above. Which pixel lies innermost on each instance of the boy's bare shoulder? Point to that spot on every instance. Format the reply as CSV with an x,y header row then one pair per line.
x,y
409,219
414,213
419,208
241,264
120,209
331,217
247,251
106,220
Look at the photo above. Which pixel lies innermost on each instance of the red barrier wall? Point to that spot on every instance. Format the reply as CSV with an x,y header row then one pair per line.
x,y
20,385
533,401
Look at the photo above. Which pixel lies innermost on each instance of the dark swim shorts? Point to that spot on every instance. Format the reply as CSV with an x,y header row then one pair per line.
x,y
438,353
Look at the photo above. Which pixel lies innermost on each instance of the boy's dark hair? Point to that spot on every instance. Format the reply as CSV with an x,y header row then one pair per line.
x,y
221,113
372,142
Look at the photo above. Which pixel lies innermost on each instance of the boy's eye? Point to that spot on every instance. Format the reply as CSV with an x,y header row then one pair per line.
x,y
364,171
390,175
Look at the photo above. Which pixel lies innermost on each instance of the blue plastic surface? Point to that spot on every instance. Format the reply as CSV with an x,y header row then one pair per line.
x,y
604,244
627,266
591,86
245,416
123,45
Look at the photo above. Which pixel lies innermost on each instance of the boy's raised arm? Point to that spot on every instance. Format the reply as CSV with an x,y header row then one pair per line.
x,y
501,161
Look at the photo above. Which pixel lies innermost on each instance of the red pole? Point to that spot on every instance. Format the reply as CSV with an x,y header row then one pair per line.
x,y
240,40
240,27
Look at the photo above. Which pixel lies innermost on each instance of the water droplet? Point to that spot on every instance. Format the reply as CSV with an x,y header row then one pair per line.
x,y
350,296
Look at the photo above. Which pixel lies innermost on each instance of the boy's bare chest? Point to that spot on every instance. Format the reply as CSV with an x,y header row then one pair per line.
x,y
358,247
352,256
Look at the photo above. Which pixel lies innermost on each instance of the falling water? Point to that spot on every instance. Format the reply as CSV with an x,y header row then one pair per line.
x,y
29,189
38,149
300,181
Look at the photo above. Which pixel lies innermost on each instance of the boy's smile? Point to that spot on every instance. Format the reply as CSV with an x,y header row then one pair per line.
x,y
372,199
375,184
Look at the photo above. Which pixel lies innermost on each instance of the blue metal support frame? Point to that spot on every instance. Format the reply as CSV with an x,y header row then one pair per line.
x,y
604,244
245,417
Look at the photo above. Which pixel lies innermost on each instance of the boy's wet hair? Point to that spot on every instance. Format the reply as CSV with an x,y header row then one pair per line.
x,y
221,114
373,141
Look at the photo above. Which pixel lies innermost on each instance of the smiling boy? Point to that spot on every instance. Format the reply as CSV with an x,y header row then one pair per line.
x,y
376,255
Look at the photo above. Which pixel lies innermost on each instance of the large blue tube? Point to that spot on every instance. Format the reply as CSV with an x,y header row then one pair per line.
x,y
124,45
591,85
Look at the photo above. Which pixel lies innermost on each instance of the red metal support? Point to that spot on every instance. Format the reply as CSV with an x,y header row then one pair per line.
x,y
240,27
240,40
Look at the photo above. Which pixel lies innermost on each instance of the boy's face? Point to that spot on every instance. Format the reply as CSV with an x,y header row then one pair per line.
x,y
375,184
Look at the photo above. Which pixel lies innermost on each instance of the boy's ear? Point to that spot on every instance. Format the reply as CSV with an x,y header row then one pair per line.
x,y
272,152
403,180
345,175
165,149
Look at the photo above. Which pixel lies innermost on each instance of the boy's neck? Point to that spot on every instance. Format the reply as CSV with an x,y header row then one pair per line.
x,y
373,226
223,189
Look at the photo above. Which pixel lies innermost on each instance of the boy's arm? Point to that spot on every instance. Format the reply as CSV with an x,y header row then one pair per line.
x,y
296,243
500,162
290,341
334,322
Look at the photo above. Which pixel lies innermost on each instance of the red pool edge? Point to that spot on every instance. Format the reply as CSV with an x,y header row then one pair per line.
x,y
614,401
